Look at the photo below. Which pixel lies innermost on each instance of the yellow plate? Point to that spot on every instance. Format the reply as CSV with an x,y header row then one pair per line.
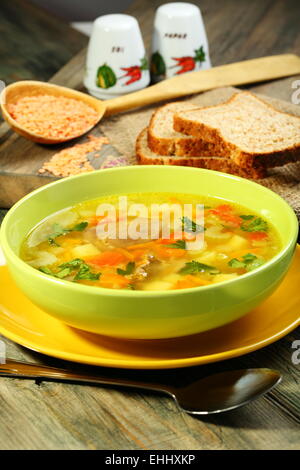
x,y
29,326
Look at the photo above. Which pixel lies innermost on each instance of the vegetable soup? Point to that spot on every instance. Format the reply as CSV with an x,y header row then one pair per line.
x,y
67,244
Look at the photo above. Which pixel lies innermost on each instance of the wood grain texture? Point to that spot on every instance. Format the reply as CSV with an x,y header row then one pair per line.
x,y
19,175
60,416
30,48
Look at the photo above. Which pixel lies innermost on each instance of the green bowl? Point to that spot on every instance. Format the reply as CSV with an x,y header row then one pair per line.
x,y
141,314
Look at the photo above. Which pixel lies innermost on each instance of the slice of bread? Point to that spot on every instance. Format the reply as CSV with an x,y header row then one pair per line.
x,y
145,156
164,140
252,132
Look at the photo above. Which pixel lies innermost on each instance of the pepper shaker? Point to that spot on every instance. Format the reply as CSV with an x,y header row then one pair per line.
x,y
179,43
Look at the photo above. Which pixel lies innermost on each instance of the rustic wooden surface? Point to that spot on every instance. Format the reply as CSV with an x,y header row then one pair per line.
x,y
60,416
19,176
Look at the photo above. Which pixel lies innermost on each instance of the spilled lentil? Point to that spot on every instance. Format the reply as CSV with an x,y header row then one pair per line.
x,y
73,160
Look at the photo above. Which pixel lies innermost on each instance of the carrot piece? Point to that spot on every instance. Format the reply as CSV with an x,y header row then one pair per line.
x,y
114,281
190,281
174,200
95,220
108,258
166,253
197,280
140,245
257,236
138,254
129,256
225,212
183,284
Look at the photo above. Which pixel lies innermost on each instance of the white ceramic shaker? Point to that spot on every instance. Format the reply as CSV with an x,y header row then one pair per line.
x,y
116,62
179,43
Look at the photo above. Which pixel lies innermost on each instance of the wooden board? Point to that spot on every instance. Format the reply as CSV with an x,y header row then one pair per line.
x,y
66,416
20,159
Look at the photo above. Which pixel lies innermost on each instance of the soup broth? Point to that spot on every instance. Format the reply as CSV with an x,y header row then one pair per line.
x,y
67,245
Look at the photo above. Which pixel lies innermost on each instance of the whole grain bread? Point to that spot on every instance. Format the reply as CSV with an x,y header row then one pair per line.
x,y
164,140
145,156
251,131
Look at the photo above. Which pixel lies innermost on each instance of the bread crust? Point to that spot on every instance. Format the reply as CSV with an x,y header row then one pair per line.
x,y
241,158
225,165
180,146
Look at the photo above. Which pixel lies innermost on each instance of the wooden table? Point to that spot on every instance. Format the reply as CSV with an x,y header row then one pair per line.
x,y
60,416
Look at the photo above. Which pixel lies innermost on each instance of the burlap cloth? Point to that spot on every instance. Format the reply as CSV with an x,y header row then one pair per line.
x,y
123,129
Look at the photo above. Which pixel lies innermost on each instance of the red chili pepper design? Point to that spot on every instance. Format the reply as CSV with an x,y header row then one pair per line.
x,y
134,72
188,63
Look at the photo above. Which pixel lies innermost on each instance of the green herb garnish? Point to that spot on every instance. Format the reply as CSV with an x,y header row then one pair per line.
x,y
247,217
180,244
86,274
256,225
194,267
83,271
58,231
79,227
46,271
128,270
235,263
64,273
74,263
60,274
189,225
248,262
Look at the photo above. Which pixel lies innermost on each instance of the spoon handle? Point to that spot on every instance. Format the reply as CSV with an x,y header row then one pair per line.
x,y
24,370
238,73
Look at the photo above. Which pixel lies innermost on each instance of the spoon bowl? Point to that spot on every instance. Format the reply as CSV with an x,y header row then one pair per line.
x,y
12,93
225,391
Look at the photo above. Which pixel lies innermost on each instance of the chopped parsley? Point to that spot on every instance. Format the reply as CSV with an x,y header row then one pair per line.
x,y
247,217
78,266
180,244
248,262
74,263
257,224
189,225
194,267
46,271
128,270
58,231
85,273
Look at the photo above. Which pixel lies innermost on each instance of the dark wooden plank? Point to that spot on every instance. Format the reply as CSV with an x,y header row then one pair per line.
x,y
31,49
85,417
237,29
231,28
59,416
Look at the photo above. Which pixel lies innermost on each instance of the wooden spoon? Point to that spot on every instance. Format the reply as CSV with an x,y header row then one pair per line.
x,y
238,73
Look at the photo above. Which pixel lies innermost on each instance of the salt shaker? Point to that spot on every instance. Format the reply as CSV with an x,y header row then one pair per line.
x,y
179,43
116,63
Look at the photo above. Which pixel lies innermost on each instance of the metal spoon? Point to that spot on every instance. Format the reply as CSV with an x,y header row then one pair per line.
x,y
238,73
213,394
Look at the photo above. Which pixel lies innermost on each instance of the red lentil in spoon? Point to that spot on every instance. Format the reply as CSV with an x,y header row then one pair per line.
x,y
53,116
